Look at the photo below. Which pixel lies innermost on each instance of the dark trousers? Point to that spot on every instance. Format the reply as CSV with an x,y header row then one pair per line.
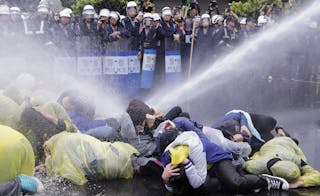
x,y
264,124
11,188
234,180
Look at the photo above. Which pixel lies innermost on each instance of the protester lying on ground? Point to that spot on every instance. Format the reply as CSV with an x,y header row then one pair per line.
x,y
80,158
241,126
17,163
191,153
82,113
282,157
40,123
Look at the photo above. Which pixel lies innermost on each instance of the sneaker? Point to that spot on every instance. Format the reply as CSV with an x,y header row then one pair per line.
x,y
30,184
275,182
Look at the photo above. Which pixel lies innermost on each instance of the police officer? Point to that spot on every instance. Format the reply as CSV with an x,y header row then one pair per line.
x,y
88,30
4,20
248,29
38,26
16,23
102,28
115,30
225,38
132,25
64,32
148,35
203,41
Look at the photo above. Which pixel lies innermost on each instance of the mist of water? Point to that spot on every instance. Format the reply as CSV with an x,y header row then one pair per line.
x,y
242,64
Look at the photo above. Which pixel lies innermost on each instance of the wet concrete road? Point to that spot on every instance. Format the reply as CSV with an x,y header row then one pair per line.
x,y
300,124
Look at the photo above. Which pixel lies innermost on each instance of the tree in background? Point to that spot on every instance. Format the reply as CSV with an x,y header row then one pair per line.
x,y
252,7
118,5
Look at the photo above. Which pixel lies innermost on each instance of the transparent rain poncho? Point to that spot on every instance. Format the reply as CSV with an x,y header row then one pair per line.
x,y
78,158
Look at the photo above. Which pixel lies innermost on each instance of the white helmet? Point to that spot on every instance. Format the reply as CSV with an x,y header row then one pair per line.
x,y
88,7
44,3
140,14
43,9
68,10
15,10
156,16
262,20
205,16
88,10
166,11
147,19
114,15
217,18
165,8
131,4
197,19
65,13
104,12
4,10
147,15
243,21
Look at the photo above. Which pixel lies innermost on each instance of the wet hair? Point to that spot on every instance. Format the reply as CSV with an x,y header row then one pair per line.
x,y
167,138
82,105
67,93
180,183
40,126
137,111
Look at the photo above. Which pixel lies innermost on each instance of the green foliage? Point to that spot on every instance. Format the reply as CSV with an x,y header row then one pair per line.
x,y
251,7
118,5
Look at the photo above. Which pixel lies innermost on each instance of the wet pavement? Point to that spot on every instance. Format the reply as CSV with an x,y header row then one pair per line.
x,y
302,124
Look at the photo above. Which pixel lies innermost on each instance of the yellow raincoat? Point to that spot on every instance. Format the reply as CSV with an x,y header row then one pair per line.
x,y
16,154
291,157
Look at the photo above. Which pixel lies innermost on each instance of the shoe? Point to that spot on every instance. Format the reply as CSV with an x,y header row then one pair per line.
x,y
30,184
275,182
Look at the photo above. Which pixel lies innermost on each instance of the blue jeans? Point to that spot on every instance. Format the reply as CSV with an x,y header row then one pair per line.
x,y
103,133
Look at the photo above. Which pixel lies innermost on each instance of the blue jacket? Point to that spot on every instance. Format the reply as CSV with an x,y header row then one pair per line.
x,y
230,124
214,153
84,123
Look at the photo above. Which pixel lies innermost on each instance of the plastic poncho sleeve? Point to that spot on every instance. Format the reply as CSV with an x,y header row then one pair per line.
x,y
59,112
16,154
79,158
309,176
9,112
